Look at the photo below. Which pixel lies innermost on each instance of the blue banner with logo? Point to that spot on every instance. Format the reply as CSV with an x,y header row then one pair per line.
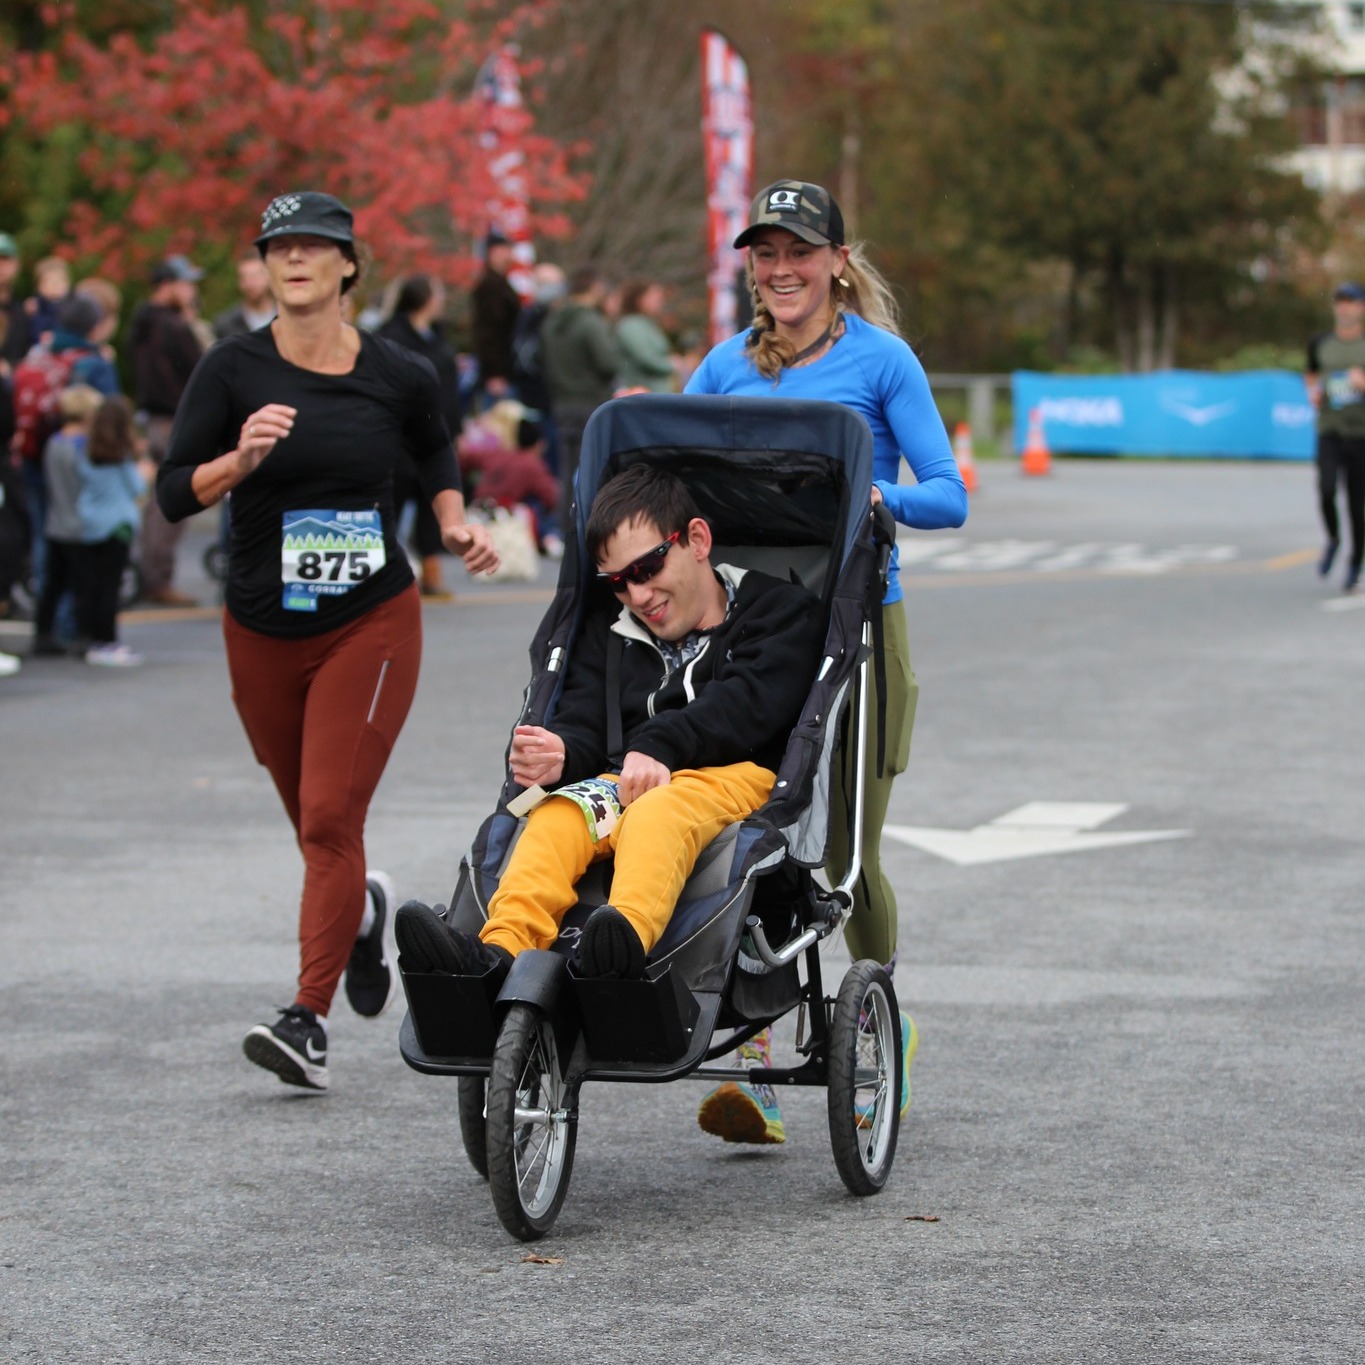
x,y
1257,414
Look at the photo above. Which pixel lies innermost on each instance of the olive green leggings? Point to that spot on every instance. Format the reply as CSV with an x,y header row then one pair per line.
x,y
871,928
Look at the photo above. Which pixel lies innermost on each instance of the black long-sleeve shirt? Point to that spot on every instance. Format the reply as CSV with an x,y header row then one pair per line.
x,y
349,432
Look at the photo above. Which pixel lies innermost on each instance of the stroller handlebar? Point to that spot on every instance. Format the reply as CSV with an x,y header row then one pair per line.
x,y
884,538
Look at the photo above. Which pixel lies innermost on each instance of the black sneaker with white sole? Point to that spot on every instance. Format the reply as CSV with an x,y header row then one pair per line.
x,y
294,1047
370,977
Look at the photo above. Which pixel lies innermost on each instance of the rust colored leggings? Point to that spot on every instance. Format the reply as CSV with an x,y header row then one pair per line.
x,y
322,714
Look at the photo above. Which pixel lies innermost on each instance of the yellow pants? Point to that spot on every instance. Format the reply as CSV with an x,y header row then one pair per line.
x,y
657,842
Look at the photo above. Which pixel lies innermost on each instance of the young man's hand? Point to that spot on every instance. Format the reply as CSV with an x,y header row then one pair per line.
x,y
639,774
537,756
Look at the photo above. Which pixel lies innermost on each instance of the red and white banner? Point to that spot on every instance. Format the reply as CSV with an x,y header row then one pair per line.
x,y
728,132
498,89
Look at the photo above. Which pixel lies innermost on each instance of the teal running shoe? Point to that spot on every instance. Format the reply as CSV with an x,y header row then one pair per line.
x,y
909,1046
740,1112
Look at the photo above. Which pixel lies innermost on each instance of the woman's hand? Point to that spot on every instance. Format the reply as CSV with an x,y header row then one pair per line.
x,y
536,756
876,496
261,431
473,544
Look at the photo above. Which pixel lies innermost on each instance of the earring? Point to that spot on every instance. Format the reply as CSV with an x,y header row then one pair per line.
x,y
842,281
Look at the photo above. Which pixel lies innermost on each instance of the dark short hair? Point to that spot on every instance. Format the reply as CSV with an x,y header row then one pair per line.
x,y
631,294
353,253
644,492
79,314
413,294
583,278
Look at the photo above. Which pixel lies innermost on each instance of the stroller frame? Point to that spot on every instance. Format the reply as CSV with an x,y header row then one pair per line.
x,y
523,1046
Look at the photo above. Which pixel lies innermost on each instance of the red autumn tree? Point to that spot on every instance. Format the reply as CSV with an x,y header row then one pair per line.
x,y
186,135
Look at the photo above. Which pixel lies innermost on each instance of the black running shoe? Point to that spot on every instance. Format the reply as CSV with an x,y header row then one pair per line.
x,y
370,978
1329,555
426,943
294,1047
609,946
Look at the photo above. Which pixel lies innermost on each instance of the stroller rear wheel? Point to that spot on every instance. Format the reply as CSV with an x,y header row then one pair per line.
x,y
473,1124
865,1078
532,1125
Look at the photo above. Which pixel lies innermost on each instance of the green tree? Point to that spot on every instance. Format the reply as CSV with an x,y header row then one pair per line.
x,y
1136,144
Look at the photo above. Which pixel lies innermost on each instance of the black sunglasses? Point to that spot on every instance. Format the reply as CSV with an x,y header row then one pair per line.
x,y
640,570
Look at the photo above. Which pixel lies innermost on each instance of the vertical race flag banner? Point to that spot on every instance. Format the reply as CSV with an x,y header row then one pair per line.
x,y
728,132
497,88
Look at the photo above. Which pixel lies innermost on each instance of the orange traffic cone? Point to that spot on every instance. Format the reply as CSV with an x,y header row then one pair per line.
x,y
1036,458
962,453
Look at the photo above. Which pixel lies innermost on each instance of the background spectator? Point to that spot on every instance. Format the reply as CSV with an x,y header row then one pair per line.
x,y
14,328
256,305
62,526
51,285
646,352
528,358
111,485
501,457
582,360
165,350
81,327
67,356
14,532
416,326
494,307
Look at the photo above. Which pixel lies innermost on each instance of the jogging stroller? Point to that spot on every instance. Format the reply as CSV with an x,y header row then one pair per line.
x,y
786,488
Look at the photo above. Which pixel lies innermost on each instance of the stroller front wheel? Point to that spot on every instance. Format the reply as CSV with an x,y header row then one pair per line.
x,y
532,1125
865,1078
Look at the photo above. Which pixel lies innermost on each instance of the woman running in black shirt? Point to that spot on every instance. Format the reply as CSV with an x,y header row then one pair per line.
x,y
304,422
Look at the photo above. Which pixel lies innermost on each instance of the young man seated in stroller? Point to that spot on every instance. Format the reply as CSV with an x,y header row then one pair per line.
x,y
712,666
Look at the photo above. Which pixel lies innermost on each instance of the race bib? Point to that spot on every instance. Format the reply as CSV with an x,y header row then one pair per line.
x,y
325,554
1341,393
597,798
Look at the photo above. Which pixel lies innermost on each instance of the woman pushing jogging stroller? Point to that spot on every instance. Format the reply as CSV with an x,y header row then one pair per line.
x,y
825,328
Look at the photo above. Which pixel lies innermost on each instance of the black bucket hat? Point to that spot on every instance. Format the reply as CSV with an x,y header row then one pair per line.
x,y
306,213
807,210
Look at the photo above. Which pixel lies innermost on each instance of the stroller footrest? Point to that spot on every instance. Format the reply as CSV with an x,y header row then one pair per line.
x,y
636,1021
453,1015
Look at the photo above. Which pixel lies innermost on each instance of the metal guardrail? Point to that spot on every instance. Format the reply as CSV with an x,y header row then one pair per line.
x,y
980,401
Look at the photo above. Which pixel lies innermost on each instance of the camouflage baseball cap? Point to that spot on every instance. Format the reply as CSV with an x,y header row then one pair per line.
x,y
807,210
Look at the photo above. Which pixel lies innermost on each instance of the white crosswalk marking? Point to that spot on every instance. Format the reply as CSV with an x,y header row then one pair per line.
x,y
956,554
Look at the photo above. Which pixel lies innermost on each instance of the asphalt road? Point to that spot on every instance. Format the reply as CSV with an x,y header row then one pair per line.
x,y
1137,1119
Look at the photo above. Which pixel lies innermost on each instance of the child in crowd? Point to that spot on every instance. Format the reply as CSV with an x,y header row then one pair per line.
x,y
51,285
502,452
62,454
115,473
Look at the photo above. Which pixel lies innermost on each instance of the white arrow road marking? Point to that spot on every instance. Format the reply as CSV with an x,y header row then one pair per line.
x,y
1035,829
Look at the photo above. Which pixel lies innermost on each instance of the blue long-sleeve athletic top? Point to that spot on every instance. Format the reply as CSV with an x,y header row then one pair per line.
x,y
877,375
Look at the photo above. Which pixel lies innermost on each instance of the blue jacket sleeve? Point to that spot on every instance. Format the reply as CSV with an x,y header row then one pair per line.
x,y
938,498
